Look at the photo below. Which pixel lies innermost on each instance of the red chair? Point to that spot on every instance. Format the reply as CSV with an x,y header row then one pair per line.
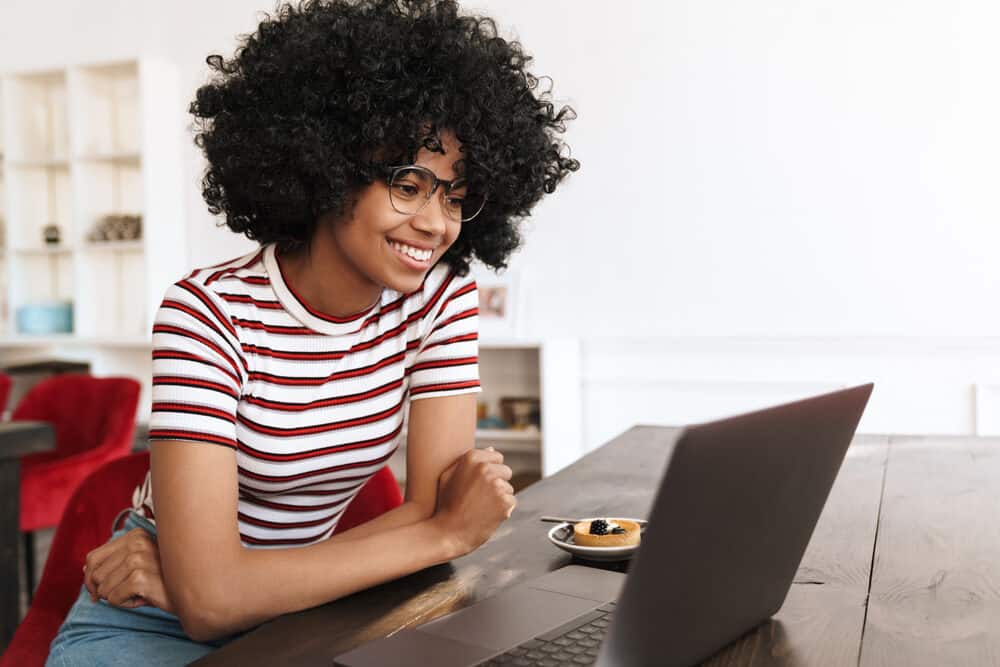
x,y
87,524
94,422
5,383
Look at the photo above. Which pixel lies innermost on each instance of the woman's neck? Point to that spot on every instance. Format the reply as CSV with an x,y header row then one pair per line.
x,y
318,275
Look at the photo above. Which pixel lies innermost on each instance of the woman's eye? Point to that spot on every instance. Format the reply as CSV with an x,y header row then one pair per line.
x,y
406,189
455,202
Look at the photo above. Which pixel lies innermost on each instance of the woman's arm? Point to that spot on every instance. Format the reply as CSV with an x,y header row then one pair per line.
x,y
439,431
218,587
127,572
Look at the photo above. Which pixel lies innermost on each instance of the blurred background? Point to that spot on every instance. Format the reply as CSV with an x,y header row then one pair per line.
x,y
777,198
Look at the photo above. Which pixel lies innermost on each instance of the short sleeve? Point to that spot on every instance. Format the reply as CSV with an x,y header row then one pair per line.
x,y
198,368
447,362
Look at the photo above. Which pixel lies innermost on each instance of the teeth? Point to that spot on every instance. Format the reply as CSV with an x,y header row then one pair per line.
x,y
415,253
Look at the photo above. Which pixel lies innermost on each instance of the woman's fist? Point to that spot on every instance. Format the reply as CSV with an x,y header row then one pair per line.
x,y
474,497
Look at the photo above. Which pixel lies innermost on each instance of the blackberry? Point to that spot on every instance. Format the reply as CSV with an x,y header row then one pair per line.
x,y
599,527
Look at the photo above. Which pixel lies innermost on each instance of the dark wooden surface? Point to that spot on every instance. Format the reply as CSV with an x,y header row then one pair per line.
x,y
822,619
936,581
16,440
924,513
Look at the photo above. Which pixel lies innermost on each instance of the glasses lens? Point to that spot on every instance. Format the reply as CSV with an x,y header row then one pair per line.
x,y
472,204
460,203
410,189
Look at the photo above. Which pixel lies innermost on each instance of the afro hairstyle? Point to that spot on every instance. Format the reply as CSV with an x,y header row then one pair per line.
x,y
324,93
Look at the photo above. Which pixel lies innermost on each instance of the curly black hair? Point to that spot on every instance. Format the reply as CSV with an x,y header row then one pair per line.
x,y
293,126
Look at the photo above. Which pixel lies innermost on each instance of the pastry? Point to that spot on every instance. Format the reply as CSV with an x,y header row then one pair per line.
x,y
606,533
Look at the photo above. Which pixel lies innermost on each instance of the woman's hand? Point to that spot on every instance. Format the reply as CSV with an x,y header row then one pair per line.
x,y
474,497
126,572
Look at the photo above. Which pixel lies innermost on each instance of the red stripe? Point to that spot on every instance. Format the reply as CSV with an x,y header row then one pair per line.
x,y
353,373
245,518
277,479
299,508
298,490
320,428
325,402
454,339
313,453
271,328
464,315
177,355
244,298
328,355
177,380
175,434
283,542
444,386
464,289
186,333
187,408
195,291
253,280
201,317
218,274
278,354
444,363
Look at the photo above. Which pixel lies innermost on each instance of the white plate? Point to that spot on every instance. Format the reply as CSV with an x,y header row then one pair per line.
x,y
561,535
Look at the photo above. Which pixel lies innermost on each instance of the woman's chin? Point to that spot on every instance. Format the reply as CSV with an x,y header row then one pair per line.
x,y
404,284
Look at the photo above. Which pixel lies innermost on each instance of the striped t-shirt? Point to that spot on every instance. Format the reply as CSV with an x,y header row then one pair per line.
x,y
312,404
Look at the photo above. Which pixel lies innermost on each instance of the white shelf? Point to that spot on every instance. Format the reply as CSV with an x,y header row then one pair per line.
x,y
43,250
41,163
126,157
77,145
114,246
51,340
508,435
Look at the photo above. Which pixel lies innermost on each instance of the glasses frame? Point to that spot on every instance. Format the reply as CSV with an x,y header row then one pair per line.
x,y
391,171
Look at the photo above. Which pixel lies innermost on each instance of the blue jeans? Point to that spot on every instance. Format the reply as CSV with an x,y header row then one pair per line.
x,y
97,633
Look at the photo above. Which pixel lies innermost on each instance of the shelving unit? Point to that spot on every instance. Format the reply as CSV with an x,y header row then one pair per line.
x,y
78,145
547,370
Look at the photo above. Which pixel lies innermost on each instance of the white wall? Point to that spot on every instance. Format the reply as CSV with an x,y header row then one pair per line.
x,y
776,172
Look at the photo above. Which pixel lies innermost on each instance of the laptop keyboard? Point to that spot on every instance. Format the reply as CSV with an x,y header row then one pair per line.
x,y
573,643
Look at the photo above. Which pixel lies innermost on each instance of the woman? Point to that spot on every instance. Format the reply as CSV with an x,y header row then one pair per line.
x,y
373,148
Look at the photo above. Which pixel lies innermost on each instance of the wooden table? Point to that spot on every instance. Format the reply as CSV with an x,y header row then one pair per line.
x,y
16,440
903,568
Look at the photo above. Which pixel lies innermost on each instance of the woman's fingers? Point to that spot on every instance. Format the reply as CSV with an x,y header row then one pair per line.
x,y
140,587
503,486
511,504
107,567
136,584
501,471
128,565
96,579
97,574
489,455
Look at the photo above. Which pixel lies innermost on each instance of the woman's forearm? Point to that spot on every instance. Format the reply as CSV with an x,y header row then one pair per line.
x,y
405,514
264,583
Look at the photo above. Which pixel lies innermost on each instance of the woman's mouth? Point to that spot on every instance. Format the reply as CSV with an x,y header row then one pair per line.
x,y
412,256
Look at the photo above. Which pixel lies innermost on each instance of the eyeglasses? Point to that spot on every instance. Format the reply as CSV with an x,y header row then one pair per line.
x,y
412,186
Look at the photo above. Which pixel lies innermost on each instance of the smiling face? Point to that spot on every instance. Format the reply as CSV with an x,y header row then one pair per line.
x,y
382,248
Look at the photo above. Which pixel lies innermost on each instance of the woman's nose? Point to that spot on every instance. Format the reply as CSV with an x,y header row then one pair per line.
x,y
432,218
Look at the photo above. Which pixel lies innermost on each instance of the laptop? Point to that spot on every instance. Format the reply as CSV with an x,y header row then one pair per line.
x,y
735,508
